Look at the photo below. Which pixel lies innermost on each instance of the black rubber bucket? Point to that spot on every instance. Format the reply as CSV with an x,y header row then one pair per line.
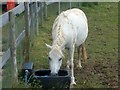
x,y
43,79
29,67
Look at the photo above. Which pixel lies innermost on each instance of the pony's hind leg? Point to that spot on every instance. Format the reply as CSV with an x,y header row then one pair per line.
x,y
83,51
79,60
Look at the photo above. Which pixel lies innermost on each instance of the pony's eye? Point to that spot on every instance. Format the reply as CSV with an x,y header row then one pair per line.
x,y
60,59
49,58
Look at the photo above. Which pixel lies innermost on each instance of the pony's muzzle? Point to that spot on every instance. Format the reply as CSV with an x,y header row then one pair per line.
x,y
53,74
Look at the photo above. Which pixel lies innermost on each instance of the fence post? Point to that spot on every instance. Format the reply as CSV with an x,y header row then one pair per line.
x,y
27,33
46,10
21,55
59,6
70,4
37,23
42,13
34,18
32,22
12,43
78,4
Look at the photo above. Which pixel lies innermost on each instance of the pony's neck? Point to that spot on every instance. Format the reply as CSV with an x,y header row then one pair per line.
x,y
60,39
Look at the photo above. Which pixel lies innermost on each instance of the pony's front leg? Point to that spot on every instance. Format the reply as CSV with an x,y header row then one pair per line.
x,y
71,55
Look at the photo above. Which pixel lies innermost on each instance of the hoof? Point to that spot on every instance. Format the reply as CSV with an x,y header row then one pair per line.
x,y
73,83
79,66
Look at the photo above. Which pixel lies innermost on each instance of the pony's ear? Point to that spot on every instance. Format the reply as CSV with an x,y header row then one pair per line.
x,y
48,46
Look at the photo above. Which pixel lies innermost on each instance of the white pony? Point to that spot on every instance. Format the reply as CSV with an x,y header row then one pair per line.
x,y
70,29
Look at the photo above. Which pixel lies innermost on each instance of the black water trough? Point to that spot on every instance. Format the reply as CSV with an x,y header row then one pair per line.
x,y
42,78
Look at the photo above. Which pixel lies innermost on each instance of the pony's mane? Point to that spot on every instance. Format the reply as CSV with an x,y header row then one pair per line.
x,y
59,38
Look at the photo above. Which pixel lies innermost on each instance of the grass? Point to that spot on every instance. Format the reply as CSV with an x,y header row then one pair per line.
x,y
101,68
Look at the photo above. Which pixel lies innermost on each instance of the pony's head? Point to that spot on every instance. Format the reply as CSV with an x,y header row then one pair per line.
x,y
55,59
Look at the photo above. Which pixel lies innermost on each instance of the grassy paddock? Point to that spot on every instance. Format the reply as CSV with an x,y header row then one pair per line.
x,y
101,68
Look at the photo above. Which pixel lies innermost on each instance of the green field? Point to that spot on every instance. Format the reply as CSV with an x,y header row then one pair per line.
x,y
101,68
